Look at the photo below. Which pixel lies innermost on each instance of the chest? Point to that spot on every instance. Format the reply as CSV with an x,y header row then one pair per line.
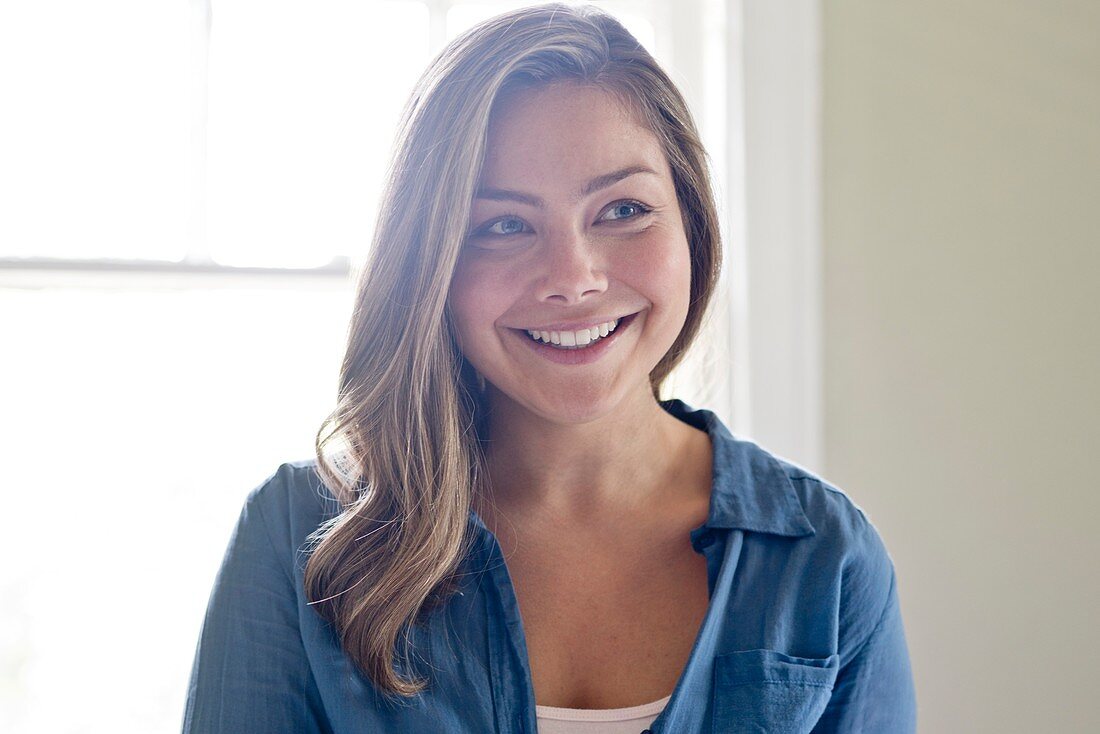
x,y
607,631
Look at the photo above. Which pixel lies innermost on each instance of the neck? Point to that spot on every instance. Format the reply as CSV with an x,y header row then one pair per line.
x,y
585,472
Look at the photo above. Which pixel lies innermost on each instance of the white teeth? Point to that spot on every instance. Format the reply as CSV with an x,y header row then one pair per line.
x,y
579,338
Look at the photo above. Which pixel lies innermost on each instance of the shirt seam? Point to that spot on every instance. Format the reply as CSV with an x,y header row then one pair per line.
x,y
881,619
781,681
271,544
835,491
824,485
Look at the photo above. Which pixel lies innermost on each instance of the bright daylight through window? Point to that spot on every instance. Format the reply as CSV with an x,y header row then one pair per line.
x,y
185,184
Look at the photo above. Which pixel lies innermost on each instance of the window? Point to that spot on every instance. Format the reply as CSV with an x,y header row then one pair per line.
x,y
242,133
186,188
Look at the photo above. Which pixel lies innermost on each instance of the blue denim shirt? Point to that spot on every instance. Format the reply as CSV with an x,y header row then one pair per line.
x,y
803,632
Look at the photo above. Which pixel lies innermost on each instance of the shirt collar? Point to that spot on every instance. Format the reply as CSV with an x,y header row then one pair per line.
x,y
751,491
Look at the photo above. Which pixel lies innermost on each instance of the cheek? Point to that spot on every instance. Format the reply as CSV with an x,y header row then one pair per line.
x,y
661,270
463,304
475,300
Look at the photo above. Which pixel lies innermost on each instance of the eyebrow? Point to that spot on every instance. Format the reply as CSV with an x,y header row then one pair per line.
x,y
598,183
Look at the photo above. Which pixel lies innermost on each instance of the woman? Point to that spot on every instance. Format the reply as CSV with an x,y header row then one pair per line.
x,y
505,530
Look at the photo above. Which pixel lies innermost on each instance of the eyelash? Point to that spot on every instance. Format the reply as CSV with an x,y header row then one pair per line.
x,y
483,230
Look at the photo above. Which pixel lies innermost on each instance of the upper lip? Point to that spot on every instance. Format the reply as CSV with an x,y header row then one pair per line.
x,y
575,325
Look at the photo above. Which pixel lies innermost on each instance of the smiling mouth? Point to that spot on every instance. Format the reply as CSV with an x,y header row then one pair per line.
x,y
575,340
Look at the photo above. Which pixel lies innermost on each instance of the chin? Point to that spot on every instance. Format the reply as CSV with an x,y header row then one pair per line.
x,y
570,407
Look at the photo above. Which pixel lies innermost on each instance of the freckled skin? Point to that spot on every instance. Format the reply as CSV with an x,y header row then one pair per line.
x,y
573,257
595,488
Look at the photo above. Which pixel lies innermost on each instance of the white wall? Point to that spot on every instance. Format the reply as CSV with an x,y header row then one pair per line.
x,y
773,239
962,351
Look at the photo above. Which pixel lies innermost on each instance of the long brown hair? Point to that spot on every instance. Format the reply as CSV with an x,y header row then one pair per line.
x,y
401,451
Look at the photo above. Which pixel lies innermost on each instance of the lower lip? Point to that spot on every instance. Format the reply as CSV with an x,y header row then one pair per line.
x,y
586,355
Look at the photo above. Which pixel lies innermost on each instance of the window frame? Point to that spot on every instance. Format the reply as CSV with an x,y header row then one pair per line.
x,y
754,83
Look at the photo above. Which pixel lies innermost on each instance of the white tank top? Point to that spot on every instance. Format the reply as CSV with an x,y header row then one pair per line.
x,y
630,720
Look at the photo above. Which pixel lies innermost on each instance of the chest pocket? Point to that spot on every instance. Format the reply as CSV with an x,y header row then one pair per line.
x,y
766,691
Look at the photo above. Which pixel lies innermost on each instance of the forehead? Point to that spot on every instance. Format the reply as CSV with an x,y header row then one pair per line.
x,y
563,133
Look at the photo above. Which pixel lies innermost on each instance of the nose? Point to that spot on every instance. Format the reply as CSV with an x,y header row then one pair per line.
x,y
571,269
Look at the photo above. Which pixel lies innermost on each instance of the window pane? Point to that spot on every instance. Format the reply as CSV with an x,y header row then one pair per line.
x,y
135,423
95,129
304,98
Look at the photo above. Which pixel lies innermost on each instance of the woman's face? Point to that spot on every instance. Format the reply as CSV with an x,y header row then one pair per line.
x,y
575,230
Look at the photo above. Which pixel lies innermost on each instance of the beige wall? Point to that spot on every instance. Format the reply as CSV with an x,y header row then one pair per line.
x,y
961,159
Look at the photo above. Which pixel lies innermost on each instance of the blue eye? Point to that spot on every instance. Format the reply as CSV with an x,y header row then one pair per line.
x,y
506,226
625,210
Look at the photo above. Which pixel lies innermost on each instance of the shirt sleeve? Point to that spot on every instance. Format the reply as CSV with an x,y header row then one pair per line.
x,y
873,693
250,672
